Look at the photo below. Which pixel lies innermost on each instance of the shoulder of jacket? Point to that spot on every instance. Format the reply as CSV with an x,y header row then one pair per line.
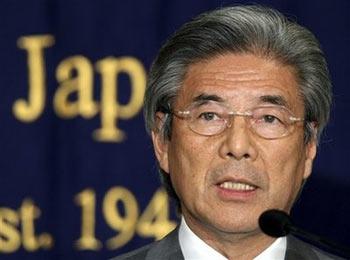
x,y
298,249
139,253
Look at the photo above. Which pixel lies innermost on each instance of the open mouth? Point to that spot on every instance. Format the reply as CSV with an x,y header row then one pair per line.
x,y
237,186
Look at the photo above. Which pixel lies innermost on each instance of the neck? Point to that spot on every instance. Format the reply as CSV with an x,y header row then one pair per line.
x,y
230,244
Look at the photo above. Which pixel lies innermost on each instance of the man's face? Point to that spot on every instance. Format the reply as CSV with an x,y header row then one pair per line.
x,y
227,180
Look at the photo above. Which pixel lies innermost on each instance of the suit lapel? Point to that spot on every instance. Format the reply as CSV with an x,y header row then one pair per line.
x,y
167,249
298,250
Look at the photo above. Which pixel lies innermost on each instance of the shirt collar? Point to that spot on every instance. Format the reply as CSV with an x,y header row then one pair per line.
x,y
194,248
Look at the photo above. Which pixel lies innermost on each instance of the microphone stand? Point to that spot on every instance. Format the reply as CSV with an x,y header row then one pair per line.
x,y
332,246
277,223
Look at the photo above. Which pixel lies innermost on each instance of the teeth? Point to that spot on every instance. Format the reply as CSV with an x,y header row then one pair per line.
x,y
236,186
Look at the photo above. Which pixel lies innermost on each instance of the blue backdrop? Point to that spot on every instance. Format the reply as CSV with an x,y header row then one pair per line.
x,y
77,172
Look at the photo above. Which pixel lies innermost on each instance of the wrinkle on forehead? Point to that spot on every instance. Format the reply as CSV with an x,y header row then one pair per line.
x,y
228,76
241,77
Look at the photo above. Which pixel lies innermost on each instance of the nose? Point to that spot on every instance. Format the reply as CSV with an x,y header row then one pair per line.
x,y
238,143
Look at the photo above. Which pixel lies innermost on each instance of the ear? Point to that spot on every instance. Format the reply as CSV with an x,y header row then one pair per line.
x,y
310,150
160,143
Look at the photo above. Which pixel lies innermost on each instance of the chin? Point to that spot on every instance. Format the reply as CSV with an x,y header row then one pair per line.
x,y
239,224
240,228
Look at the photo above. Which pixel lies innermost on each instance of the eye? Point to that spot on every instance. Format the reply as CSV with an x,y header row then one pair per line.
x,y
269,116
270,119
208,116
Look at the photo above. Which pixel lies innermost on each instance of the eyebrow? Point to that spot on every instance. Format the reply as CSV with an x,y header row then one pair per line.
x,y
271,99
275,100
202,98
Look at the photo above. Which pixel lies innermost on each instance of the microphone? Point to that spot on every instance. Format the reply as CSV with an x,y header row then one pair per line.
x,y
277,223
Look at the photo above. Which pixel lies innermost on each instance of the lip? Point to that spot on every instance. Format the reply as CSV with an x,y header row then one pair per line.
x,y
236,195
239,180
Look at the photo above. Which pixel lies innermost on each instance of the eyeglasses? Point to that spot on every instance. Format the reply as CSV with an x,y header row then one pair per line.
x,y
212,118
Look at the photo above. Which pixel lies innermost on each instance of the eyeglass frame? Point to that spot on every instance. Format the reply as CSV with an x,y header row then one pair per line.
x,y
186,114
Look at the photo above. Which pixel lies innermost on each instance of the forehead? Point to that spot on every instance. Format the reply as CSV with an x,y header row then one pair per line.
x,y
241,79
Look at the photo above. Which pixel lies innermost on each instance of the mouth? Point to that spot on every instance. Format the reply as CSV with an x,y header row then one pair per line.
x,y
236,190
237,186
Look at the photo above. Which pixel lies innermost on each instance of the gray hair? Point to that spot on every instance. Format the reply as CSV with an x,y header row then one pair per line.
x,y
240,29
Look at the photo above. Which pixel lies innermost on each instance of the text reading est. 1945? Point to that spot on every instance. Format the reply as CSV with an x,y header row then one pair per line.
x,y
17,227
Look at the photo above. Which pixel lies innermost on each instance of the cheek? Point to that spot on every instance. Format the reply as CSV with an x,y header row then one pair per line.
x,y
284,157
190,157
284,165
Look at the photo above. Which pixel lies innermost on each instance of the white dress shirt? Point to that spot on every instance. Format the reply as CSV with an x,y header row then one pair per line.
x,y
194,248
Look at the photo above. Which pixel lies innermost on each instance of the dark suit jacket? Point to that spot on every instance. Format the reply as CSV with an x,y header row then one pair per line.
x,y
168,248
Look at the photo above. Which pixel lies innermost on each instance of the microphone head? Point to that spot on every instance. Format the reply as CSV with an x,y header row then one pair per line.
x,y
275,223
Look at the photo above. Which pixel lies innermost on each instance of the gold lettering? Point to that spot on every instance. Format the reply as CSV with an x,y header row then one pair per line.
x,y
45,241
29,212
123,224
10,239
155,221
28,111
81,83
87,241
111,110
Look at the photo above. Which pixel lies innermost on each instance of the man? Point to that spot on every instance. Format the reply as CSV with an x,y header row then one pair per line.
x,y
235,104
